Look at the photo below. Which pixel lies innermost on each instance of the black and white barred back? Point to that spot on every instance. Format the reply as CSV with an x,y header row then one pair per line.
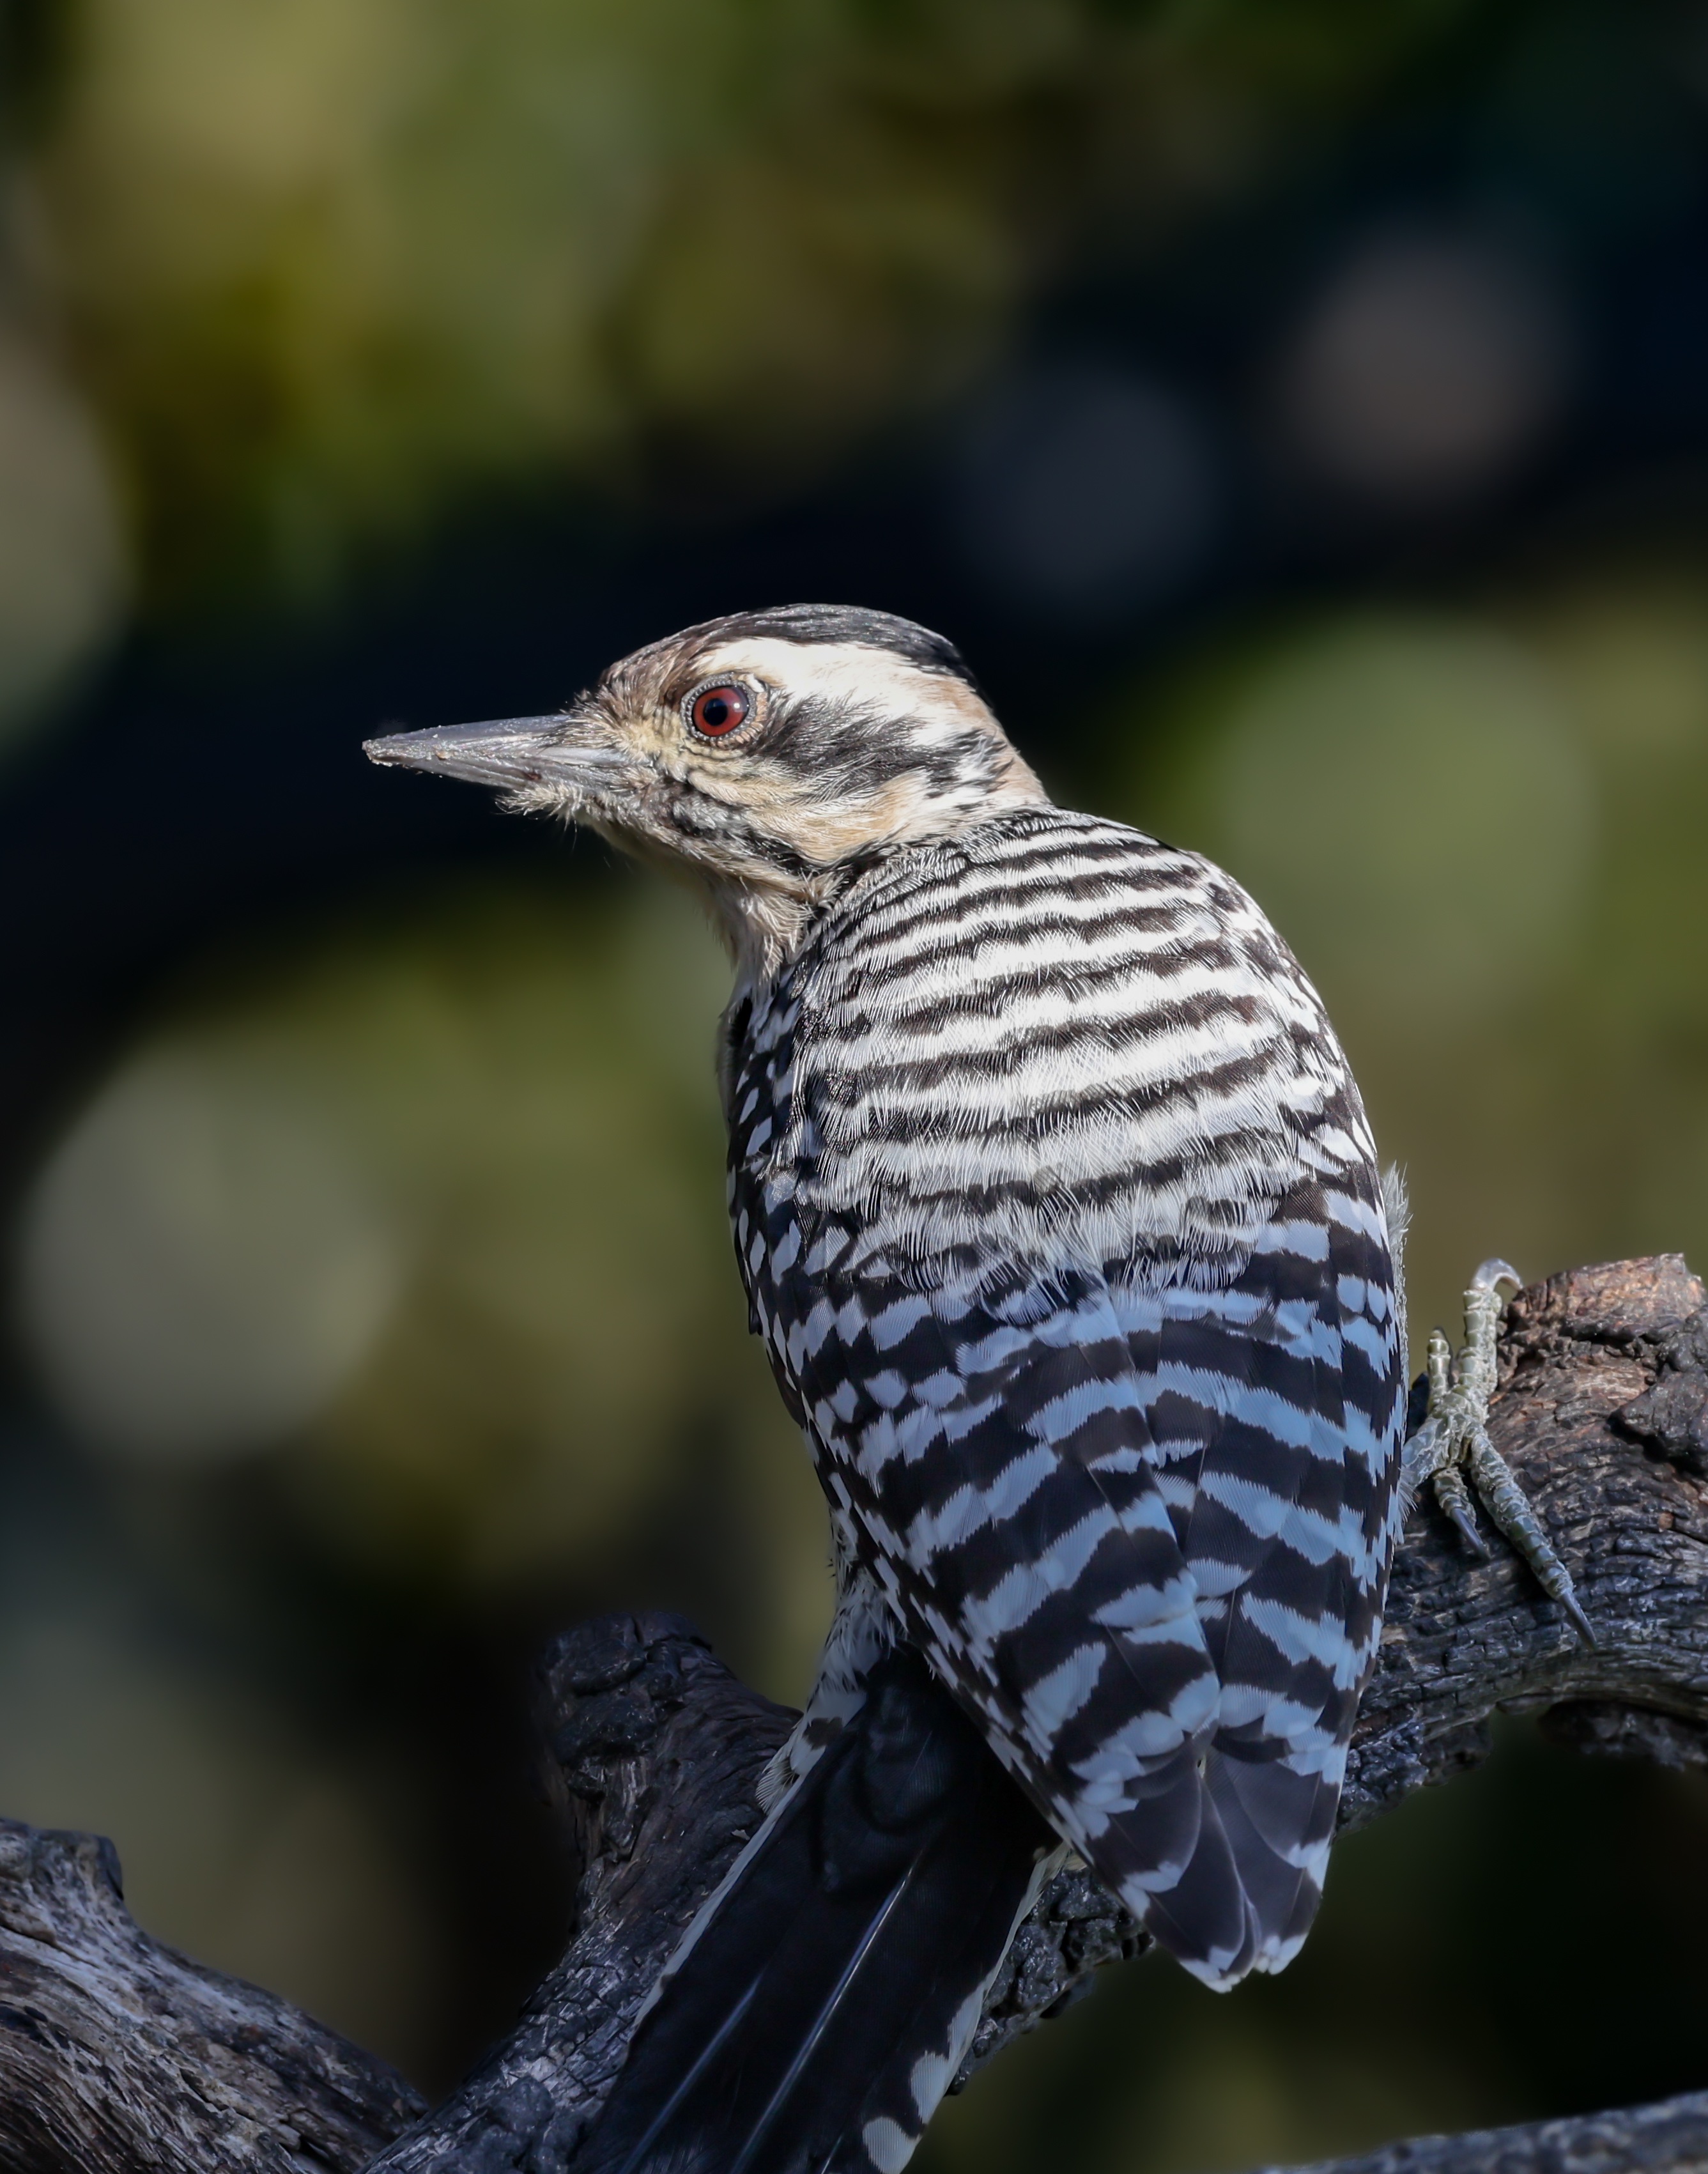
x,y
1059,1213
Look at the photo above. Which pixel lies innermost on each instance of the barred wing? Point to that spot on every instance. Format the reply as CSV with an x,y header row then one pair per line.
x,y
1144,1540
995,1473
1274,1408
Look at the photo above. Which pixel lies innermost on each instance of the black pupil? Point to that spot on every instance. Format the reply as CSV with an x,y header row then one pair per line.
x,y
720,709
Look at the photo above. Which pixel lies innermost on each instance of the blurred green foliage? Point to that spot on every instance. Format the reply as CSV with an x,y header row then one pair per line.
x,y
322,262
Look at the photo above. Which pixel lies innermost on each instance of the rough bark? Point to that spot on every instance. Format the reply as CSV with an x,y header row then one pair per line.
x,y
116,2055
1668,2138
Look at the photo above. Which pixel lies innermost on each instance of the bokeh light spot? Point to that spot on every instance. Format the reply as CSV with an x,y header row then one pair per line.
x,y
1405,798
1084,491
1428,366
202,1269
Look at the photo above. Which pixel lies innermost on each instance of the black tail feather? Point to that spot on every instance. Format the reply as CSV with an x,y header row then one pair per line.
x,y
816,2019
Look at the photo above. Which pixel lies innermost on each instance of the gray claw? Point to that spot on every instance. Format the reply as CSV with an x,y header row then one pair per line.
x,y
1580,1621
1455,1500
1452,1452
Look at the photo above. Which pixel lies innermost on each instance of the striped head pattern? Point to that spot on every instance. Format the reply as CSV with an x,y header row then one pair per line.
x,y
769,755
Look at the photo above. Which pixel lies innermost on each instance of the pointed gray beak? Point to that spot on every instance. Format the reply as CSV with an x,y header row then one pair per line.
x,y
505,753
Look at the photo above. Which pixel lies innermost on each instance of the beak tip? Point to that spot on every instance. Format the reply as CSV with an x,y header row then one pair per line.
x,y
394,751
503,753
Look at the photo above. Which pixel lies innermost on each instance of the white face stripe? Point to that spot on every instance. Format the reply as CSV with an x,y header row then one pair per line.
x,y
937,706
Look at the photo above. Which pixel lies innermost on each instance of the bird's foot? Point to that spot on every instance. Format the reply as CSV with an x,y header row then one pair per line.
x,y
1451,1447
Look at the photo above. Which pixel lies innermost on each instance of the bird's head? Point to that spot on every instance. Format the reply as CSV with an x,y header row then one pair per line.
x,y
770,754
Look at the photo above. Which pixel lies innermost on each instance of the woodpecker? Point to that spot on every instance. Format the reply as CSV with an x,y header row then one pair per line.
x,y
1061,1219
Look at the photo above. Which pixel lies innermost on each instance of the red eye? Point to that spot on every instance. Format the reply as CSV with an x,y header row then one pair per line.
x,y
719,710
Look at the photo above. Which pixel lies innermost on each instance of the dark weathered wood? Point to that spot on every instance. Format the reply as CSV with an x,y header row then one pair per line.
x,y
1582,1358
117,2054
655,1751
1670,2138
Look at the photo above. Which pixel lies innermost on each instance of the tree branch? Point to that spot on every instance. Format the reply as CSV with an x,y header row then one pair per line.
x,y
116,2055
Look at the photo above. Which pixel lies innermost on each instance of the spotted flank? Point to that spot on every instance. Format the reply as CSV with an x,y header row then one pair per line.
x,y
1060,1216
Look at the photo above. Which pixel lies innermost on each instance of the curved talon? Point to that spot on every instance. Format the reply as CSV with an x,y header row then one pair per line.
x,y
1493,1273
1451,1492
1580,1622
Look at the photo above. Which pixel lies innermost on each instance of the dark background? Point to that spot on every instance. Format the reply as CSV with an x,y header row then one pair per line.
x,y
1299,413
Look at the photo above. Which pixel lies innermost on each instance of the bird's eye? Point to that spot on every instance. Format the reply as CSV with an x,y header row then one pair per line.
x,y
717,710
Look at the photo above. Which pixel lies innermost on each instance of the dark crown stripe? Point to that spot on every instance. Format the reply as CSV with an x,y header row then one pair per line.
x,y
835,622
